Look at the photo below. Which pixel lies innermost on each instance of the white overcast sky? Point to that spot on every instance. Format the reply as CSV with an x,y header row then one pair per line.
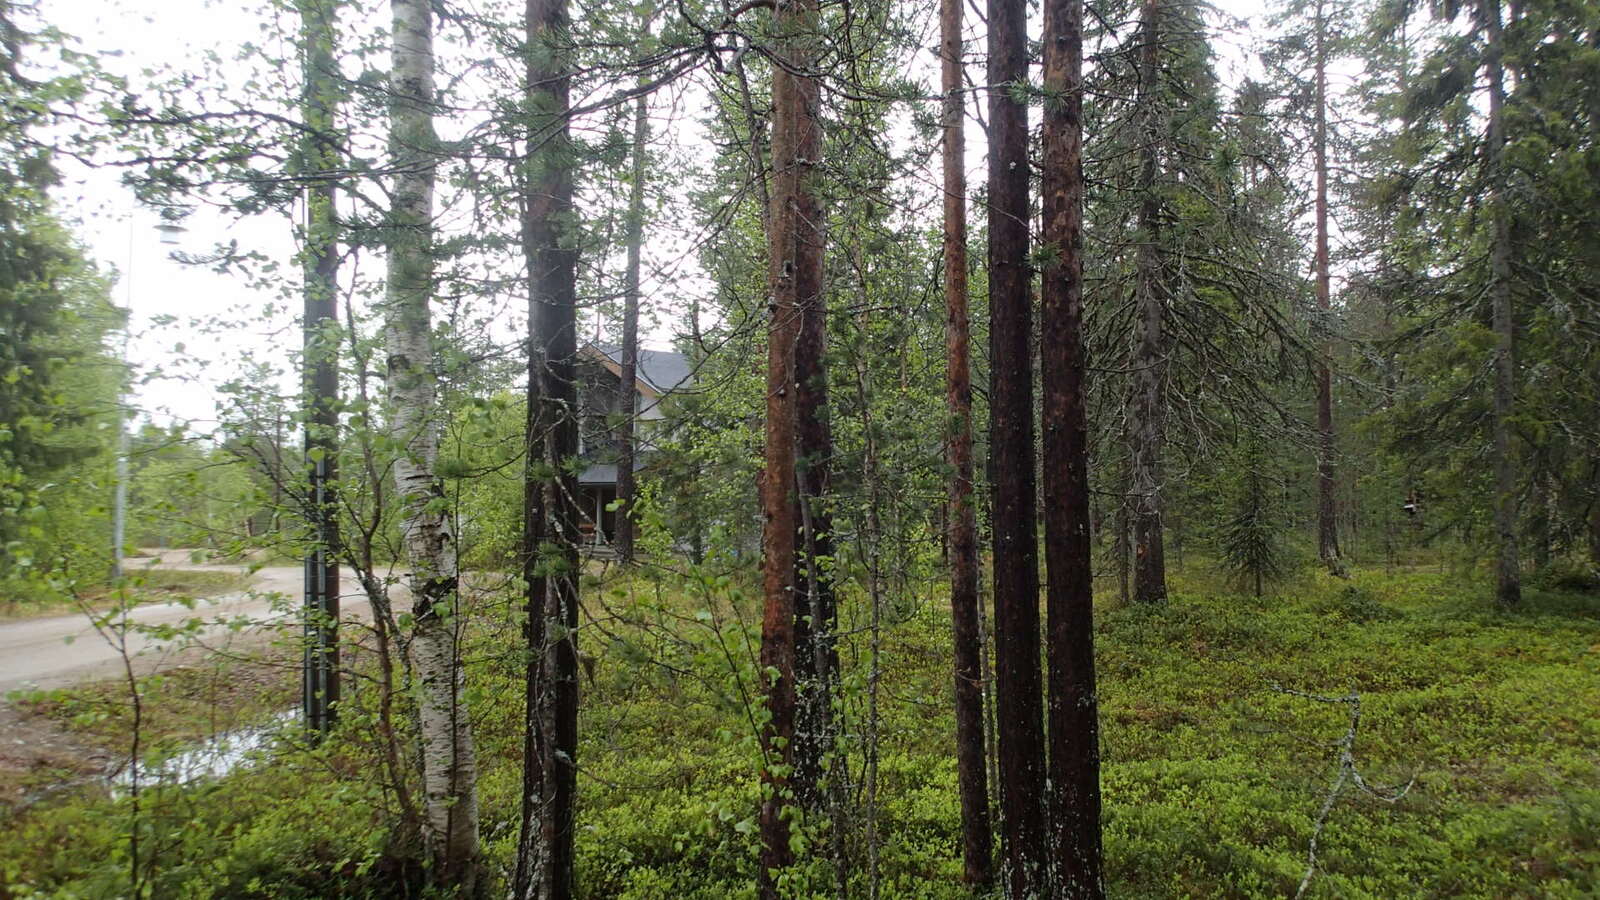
x,y
173,34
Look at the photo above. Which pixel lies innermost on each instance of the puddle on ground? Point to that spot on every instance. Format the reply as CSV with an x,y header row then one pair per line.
x,y
212,758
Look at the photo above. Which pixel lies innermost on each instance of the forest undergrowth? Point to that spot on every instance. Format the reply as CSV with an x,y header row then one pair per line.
x,y
1214,772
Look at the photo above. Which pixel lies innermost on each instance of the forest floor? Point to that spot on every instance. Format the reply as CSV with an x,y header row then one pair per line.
x,y
1214,772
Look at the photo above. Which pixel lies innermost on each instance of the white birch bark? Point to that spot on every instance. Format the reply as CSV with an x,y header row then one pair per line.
x,y
449,765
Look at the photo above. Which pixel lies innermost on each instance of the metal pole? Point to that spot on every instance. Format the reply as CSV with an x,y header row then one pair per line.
x,y
119,503
119,509
320,376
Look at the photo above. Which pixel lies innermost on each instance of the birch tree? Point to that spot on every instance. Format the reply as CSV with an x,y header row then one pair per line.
x,y
449,765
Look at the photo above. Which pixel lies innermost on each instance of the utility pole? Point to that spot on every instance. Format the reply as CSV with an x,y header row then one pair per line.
x,y
119,508
320,362
119,501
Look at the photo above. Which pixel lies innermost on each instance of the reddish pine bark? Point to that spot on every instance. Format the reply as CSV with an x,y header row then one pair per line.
x,y
1327,522
816,654
791,236
977,850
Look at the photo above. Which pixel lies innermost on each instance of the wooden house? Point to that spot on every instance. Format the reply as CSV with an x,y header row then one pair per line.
x,y
601,408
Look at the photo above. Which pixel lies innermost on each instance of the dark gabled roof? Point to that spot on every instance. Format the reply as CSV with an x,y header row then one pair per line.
x,y
662,370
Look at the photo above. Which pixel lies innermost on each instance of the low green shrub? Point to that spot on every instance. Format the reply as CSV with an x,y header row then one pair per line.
x,y
1212,779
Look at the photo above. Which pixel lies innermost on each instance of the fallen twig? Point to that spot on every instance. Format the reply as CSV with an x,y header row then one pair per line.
x,y
1347,774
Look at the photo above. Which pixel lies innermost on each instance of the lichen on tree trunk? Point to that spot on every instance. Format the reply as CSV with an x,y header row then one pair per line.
x,y
1327,509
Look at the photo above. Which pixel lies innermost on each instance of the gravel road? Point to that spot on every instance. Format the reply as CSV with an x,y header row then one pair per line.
x,y
61,650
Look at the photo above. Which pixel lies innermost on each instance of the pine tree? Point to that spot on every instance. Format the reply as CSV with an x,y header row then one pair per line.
x,y
546,852
795,258
977,850
1073,708
1018,692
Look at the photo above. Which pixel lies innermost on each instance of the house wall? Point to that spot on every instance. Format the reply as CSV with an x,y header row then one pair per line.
x,y
600,406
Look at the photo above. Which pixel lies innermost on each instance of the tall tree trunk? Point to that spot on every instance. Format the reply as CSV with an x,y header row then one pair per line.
x,y
816,616
532,867
816,652
790,236
629,394
1327,511
1019,693
1074,720
320,385
449,765
977,850
1594,516
550,491
1147,425
1508,572
1121,522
